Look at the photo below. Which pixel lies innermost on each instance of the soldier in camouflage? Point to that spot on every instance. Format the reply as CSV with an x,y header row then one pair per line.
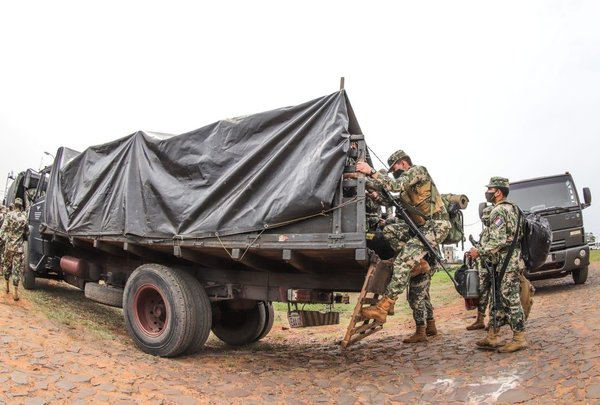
x,y
484,276
502,230
13,231
419,195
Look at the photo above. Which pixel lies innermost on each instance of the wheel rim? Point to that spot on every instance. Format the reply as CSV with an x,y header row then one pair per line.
x,y
151,310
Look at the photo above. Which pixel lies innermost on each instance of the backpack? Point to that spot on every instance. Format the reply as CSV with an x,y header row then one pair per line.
x,y
454,203
536,240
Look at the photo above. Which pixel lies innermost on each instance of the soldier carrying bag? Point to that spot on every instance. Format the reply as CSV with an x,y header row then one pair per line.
x,y
526,289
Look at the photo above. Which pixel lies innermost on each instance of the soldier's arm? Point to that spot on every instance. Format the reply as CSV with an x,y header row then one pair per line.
x,y
497,234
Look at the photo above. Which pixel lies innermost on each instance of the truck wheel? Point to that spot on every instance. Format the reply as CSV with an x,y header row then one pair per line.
x,y
238,322
580,275
159,311
269,318
104,294
28,274
203,314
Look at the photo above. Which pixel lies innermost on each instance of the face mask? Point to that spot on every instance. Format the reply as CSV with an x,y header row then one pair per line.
x,y
489,196
398,173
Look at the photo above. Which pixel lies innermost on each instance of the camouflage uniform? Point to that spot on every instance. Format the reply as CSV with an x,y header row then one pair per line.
x,y
416,190
503,226
12,231
3,214
484,275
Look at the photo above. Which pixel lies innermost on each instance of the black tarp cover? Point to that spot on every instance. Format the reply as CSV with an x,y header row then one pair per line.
x,y
233,176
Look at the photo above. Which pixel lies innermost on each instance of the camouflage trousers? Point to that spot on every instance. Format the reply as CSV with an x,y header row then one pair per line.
x,y
411,252
485,287
418,298
510,309
12,265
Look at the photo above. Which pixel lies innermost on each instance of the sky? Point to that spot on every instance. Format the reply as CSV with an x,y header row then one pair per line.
x,y
469,89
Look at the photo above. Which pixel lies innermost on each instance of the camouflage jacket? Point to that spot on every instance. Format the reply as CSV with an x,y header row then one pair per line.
x,y
498,236
416,189
13,230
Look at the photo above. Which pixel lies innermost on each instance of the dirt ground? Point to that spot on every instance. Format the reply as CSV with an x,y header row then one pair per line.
x,y
45,361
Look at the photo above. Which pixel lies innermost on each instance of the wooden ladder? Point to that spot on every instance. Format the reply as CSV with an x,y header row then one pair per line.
x,y
376,280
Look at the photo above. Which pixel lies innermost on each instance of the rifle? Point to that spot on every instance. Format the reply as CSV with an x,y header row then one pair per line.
x,y
401,211
493,286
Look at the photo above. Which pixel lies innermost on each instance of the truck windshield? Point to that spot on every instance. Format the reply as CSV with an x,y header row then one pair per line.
x,y
540,194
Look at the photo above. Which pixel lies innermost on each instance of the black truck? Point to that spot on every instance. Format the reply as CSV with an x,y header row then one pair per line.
x,y
204,230
556,198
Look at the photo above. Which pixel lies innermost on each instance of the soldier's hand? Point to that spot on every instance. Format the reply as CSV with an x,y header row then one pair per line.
x,y
473,253
363,167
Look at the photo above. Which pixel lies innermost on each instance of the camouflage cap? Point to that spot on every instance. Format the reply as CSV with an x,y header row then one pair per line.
x,y
18,202
396,156
498,182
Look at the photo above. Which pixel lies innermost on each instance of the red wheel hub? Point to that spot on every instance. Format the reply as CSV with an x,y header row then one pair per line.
x,y
151,310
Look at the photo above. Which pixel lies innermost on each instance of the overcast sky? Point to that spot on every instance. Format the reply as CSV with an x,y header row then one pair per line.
x,y
470,89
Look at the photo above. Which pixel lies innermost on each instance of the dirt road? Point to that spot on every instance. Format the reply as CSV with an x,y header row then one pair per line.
x,y
42,361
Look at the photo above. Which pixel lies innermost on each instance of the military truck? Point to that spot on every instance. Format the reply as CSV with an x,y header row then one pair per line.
x,y
23,186
556,198
204,230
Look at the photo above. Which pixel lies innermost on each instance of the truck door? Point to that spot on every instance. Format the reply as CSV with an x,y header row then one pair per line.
x,y
35,219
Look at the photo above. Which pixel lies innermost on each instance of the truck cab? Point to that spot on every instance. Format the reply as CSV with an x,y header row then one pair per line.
x,y
556,199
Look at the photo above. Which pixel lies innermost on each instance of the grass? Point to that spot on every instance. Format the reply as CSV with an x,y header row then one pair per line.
x,y
68,306
594,256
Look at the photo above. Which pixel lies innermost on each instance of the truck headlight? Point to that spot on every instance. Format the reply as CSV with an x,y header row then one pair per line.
x,y
577,261
582,253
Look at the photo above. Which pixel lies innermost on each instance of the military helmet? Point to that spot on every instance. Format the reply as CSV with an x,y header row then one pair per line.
x,y
396,156
497,182
18,202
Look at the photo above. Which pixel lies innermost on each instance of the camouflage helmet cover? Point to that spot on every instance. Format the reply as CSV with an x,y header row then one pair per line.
x,y
18,202
396,156
497,181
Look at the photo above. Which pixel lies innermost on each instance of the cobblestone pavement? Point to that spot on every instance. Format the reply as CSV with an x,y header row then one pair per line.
x,y
44,362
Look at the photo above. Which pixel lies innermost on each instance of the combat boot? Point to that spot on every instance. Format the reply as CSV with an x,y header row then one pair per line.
x,y
431,330
16,293
378,311
518,342
419,336
7,284
478,324
490,341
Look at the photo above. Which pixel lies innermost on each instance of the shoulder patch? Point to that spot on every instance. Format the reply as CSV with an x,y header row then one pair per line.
x,y
498,221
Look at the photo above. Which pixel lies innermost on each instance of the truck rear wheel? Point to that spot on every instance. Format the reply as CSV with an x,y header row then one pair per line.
x,y
28,274
238,322
203,314
269,318
159,310
104,294
580,275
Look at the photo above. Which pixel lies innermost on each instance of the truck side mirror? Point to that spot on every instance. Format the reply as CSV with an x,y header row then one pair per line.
x,y
482,206
587,196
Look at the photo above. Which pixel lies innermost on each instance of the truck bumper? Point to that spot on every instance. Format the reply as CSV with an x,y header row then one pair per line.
x,y
560,263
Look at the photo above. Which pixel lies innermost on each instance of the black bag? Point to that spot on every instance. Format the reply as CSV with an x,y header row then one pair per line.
x,y
536,240
467,281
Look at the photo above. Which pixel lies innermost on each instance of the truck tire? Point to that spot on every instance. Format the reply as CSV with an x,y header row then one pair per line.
x,y
28,274
269,318
104,294
580,275
203,314
159,311
238,322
